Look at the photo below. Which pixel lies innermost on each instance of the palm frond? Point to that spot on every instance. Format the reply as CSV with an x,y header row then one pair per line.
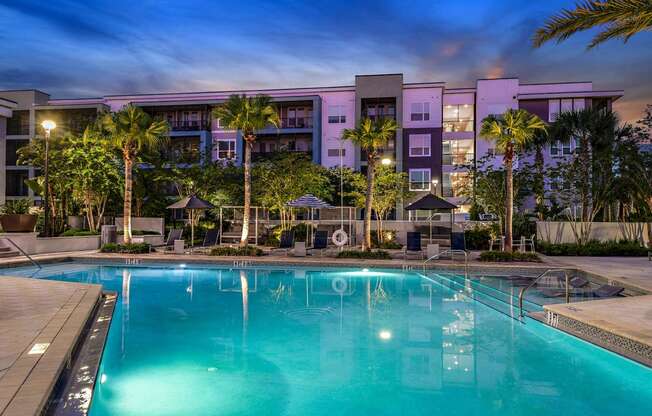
x,y
622,18
247,114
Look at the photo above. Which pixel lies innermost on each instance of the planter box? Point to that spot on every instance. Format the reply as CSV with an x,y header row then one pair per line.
x,y
18,223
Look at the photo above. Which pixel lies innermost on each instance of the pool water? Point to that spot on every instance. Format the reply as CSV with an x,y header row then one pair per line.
x,y
211,341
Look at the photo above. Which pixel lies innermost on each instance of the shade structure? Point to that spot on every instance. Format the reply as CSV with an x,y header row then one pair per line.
x,y
191,204
431,202
309,201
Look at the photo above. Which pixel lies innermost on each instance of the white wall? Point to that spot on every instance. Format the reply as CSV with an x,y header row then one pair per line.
x,y
143,223
31,244
558,232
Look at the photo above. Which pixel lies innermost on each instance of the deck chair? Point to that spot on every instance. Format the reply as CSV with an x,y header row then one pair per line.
x,y
320,241
413,245
578,286
607,291
211,238
174,234
286,241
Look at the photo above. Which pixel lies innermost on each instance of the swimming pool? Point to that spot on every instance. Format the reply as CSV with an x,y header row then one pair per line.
x,y
211,341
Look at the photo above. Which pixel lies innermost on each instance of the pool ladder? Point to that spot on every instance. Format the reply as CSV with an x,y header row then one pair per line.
x,y
452,252
521,294
34,262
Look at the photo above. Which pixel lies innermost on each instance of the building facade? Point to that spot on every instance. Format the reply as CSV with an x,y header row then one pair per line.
x,y
437,135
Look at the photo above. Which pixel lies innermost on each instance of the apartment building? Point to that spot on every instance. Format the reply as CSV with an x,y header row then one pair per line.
x,y
437,135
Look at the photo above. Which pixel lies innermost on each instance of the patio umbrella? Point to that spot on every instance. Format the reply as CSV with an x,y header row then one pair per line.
x,y
432,202
311,202
191,204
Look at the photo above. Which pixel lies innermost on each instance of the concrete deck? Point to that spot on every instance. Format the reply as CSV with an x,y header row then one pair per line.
x,y
40,322
632,271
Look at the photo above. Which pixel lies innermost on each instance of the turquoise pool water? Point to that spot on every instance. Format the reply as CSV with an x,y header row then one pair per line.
x,y
210,341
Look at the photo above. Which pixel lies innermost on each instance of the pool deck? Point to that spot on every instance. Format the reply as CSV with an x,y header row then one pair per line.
x,y
40,323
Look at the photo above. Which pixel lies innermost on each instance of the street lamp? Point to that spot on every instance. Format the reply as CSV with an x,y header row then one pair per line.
x,y
386,161
48,126
434,186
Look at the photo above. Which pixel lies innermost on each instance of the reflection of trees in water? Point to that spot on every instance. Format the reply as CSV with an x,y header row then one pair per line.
x,y
379,296
282,293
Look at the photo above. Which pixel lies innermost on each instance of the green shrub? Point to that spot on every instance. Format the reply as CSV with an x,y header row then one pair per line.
x,y
390,242
356,254
141,232
504,256
16,206
477,238
131,248
595,248
236,251
76,232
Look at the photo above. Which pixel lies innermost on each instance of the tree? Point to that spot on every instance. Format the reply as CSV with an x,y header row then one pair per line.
x,y
594,130
619,19
372,137
285,176
132,131
390,187
247,115
540,140
511,132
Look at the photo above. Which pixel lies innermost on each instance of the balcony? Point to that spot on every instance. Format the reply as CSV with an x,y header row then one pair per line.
x,y
267,145
457,159
296,123
189,125
458,126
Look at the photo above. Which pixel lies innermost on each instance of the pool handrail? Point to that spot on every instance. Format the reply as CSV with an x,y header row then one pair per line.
x,y
34,262
451,252
521,294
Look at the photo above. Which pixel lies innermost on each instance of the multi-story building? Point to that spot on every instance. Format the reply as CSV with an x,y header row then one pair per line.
x,y
437,135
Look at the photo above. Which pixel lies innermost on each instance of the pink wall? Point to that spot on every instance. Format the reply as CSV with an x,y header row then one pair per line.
x,y
433,96
493,97
331,133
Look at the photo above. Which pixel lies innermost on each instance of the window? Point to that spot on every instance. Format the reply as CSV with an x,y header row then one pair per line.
x,y
226,149
457,152
419,179
12,147
557,106
16,183
420,111
18,124
453,183
336,114
557,148
458,117
336,152
419,145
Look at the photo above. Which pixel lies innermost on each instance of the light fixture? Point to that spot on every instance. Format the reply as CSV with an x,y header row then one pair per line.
x,y
365,270
385,335
103,379
386,161
182,265
48,125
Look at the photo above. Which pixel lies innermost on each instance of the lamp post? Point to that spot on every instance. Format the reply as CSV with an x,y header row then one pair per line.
x,y
435,191
48,126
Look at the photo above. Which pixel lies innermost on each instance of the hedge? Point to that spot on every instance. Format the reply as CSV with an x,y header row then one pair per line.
x,y
505,256
131,248
356,254
595,248
236,251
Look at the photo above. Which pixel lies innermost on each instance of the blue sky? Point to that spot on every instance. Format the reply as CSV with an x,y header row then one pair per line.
x,y
92,48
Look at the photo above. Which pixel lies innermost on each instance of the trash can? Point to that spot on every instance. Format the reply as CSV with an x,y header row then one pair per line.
x,y
109,234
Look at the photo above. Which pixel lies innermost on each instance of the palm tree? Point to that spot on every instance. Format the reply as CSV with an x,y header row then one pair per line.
x,y
247,115
372,137
622,19
132,131
594,129
512,132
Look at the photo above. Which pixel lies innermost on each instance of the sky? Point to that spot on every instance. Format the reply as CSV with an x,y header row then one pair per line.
x,y
92,48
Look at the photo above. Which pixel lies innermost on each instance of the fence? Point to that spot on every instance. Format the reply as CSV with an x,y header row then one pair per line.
x,y
557,232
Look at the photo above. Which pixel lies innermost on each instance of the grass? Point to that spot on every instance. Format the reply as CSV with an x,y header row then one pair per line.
x,y
504,256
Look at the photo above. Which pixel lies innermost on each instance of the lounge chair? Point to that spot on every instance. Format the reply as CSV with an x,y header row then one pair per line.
x,y
211,238
286,241
320,241
413,245
608,291
174,234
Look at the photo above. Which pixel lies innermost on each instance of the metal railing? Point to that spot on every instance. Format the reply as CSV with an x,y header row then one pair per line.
x,y
34,262
521,294
451,252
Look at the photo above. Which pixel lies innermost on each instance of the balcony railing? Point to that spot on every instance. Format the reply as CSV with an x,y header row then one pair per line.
x,y
188,125
457,126
457,158
296,123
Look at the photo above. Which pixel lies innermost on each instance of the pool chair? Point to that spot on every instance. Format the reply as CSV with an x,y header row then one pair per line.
x,y
579,286
319,242
607,291
211,238
413,246
174,234
286,241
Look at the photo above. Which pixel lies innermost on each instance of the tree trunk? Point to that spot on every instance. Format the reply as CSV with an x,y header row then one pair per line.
x,y
509,197
126,215
366,243
585,162
244,239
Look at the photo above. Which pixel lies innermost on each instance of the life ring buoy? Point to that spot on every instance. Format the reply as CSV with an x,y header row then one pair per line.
x,y
340,238
339,285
